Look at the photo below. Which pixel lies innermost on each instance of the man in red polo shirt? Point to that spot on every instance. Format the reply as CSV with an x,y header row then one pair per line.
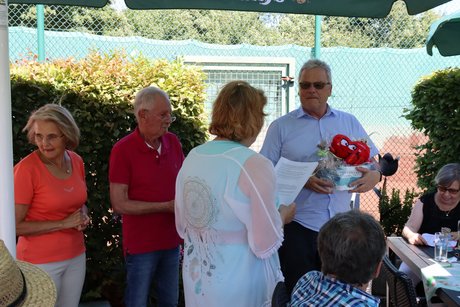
x,y
142,173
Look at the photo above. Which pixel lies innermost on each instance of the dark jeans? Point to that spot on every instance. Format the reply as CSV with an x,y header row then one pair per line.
x,y
298,254
162,267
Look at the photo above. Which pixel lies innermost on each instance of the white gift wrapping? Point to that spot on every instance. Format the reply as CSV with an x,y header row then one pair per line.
x,y
348,174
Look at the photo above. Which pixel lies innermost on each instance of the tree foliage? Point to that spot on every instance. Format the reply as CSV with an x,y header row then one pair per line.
x,y
436,113
99,91
394,212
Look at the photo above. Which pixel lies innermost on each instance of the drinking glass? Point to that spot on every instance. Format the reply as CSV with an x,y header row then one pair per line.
x,y
441,242
458,234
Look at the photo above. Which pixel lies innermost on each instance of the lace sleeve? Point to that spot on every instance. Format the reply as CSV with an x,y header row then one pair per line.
x,y
257,181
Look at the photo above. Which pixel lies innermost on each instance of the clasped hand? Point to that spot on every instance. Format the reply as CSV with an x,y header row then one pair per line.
x,y
78,219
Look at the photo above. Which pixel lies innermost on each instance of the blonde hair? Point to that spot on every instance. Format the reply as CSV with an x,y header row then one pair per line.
x,y
61,117
237,112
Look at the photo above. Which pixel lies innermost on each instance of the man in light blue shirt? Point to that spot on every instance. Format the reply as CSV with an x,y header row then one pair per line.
x,y
296,136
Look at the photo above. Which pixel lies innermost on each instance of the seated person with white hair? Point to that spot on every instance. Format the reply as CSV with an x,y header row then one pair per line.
x,y
351,246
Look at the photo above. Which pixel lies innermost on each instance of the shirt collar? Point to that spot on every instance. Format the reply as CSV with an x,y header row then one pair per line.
x,y
329,112
143,145
331,280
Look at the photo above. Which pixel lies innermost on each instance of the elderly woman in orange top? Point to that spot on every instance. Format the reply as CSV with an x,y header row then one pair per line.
x,y
50,196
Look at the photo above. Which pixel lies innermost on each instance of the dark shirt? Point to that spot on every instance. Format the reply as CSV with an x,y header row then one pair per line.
x,y
434,218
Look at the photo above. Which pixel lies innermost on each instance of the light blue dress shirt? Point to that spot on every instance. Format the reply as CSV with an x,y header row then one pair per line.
x,y
296,136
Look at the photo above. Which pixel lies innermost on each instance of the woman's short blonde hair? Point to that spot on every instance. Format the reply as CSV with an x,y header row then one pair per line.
x,y
61,117
237,113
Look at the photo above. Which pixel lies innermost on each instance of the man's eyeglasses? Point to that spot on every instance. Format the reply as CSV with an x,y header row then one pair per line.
x,y
316,85
444,189
165,117
50,138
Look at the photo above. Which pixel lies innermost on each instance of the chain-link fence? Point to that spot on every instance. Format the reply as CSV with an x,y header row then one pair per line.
x,y
375,62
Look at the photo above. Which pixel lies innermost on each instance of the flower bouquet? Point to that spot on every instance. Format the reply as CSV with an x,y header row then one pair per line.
x,y
339,158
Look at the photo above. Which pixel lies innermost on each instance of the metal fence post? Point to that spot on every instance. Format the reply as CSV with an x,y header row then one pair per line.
x,y
317,48
41,32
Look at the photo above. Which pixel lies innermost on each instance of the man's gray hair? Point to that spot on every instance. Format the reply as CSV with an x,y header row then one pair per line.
x,y
145,98
315,63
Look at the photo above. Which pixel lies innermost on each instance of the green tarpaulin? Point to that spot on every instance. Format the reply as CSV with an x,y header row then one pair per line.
x,y
348,8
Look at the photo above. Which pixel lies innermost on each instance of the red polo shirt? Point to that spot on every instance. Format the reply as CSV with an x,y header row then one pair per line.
x,y
150,177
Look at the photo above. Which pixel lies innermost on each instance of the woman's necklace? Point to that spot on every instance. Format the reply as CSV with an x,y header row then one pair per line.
x,y
446,212
66,170
438,201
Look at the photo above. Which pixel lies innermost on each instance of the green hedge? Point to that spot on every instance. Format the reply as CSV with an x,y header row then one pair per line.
x,y
436,113
394,213
99,91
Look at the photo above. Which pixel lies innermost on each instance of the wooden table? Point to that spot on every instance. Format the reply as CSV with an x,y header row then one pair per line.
x,y
417,258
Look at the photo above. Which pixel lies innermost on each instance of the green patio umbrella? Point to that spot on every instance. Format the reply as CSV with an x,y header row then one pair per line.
x,y
347,8
445,35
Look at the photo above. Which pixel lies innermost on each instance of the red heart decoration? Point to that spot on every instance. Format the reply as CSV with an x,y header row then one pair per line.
x,y
352,152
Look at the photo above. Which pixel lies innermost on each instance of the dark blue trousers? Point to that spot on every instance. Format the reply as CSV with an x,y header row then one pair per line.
x,y
299,253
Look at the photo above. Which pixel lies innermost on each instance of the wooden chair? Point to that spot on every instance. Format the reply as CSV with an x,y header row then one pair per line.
x,y
400,287
280,296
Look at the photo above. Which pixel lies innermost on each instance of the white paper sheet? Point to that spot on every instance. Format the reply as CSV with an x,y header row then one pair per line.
x,y
291,176
429,238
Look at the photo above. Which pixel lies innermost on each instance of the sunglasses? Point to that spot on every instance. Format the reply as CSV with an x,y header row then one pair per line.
x,y
444,189
316,85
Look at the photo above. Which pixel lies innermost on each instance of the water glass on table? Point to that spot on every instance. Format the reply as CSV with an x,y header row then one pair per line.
x,y
441,244
458,234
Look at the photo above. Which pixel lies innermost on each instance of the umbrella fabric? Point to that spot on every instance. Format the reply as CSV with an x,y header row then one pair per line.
x,y
347,8
445,35
90,3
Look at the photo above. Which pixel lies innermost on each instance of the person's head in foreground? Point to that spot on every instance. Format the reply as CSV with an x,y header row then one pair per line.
x,y
238,112
351,246
23,284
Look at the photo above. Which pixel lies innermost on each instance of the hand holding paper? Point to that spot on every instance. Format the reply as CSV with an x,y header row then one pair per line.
x,y
318,185
287,213
291,177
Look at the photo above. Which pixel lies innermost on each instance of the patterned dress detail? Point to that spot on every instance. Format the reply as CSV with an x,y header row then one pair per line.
x,y
226,214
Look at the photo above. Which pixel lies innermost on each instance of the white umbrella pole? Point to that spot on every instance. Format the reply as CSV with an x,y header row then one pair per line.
x,y
7,223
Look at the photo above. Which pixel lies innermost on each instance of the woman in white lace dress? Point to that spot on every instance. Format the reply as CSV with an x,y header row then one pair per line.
x,y
226,209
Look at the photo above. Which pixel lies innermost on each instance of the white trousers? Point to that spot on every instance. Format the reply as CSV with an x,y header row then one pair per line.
x,y
68,276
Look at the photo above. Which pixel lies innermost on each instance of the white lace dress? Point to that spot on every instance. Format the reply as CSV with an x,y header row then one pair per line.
x,y
227,215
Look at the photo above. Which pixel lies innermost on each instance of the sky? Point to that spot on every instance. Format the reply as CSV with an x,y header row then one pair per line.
x,y
449,7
